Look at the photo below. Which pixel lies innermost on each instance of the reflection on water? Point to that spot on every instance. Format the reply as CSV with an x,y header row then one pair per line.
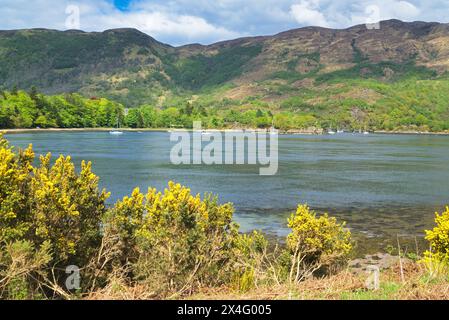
x,y
382,185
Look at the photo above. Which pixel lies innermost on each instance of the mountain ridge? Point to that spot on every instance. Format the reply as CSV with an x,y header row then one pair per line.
x,y
134,68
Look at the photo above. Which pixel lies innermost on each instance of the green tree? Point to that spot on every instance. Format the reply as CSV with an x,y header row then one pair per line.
x,y
134,119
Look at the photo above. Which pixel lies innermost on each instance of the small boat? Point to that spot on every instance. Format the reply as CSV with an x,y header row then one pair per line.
x,y
366,133
331,132
206,133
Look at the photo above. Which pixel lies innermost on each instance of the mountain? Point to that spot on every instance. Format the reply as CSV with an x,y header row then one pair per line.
x,y
133,68
56,61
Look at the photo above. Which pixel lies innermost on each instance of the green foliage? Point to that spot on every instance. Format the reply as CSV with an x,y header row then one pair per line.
x,y
288,120
404,104
175,242
205,71
367,70
21,110
134,119
386,291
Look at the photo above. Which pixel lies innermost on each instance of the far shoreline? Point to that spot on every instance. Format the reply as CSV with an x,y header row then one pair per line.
x,y
289,132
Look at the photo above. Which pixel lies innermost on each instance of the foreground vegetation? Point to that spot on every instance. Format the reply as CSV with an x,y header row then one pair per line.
x,y
169,244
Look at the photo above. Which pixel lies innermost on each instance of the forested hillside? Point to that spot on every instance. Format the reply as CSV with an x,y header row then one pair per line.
x,y
394,78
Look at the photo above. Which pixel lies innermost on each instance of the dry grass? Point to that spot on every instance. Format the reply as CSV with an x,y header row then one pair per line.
x,y
418,284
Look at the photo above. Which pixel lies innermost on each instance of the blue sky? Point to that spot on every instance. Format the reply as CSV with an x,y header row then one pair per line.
x,y
180,22
122,5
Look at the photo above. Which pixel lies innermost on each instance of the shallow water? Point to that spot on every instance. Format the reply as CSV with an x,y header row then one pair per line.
x,y
382,185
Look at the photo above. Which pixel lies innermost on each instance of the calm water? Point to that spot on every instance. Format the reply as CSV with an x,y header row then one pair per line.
x,y
382,185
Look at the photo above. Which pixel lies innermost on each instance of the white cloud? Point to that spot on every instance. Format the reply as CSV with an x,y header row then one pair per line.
x,y
101,15
160,24
307,13
206,21
385,10
404,10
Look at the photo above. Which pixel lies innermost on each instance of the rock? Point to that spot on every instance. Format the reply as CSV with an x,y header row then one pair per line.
x,y
381,260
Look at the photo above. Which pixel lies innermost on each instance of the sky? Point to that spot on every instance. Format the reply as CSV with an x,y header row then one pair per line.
x,y
179,22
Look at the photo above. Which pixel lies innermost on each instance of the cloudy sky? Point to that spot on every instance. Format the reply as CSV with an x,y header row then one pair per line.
x,y
205,21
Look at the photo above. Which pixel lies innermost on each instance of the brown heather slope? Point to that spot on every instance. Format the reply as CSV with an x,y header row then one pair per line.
x,y
395,41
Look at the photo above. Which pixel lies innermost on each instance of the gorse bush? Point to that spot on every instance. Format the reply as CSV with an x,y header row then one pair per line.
x,y
315,243
436,259
179,239
67,208
50,206
15,176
